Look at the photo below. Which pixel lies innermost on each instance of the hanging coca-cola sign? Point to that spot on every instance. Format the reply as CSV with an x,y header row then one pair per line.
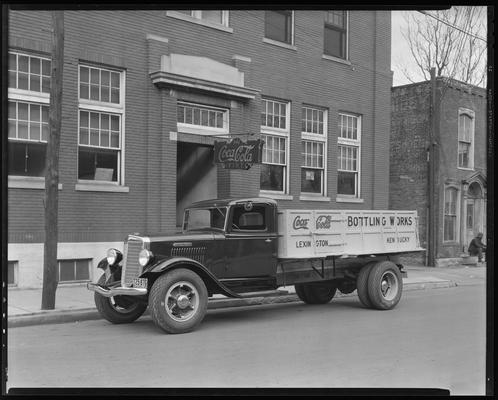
x,y
236,154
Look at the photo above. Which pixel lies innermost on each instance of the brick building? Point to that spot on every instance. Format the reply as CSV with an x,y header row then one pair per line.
x,y
146,94
459,162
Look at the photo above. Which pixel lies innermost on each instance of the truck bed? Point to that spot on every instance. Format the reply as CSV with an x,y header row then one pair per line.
x,y
323,233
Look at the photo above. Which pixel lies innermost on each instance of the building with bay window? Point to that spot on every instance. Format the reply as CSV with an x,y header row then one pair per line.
x,y
460,160
147,93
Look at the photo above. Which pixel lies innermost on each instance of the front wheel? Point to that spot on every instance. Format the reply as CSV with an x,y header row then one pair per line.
x,y
385,285
178,301
118,309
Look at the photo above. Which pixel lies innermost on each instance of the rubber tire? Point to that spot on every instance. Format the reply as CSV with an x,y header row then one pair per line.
x,y
107,310
157,301
315,292
362,284
347,287
300,292
378,300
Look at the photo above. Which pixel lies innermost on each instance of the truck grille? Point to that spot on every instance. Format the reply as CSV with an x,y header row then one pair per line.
x,y
131,268
195,253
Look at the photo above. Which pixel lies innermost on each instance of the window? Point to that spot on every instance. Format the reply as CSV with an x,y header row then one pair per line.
x,y
349,148
465,139
252,220
275,133
335,39
450,214
195,118
279,25
100,138
313,145
213,16
12,273
74,270
29,97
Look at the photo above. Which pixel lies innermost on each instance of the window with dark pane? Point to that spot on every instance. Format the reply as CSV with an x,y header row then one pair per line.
x,y
278,25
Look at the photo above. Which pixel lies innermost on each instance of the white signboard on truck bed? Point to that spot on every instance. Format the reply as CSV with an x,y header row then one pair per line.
x,y
321,233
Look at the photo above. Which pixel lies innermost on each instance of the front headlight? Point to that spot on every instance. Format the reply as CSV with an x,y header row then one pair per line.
x,y
144,257
114,256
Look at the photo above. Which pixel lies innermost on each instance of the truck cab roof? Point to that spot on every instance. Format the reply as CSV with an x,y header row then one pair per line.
x,y
231,202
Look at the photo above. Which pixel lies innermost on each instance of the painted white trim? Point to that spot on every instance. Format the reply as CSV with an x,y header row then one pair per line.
x,y
472,115
349,200
275,195
151,36
184,17
310,197
98,186
280,44
28,182
336,59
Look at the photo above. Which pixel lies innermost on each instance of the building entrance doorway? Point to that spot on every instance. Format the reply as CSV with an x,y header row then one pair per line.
x,y
475,213
196,177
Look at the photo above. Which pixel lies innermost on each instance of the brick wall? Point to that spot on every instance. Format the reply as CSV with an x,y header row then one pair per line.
x,y
134,41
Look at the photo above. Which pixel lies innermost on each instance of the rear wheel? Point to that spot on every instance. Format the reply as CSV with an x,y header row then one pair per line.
x,y
118,309
178,301
315,292
385,285
362,284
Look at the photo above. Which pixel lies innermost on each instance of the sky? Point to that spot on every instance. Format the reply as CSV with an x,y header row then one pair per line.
x,y
400,52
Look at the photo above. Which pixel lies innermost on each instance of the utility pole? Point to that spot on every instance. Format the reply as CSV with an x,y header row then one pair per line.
x,y
52,164
431,221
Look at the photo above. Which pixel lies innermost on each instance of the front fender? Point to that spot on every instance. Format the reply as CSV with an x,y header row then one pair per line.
x,y
113,271
213,284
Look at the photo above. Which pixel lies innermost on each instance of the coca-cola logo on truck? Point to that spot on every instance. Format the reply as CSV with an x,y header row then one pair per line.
x,y
300,223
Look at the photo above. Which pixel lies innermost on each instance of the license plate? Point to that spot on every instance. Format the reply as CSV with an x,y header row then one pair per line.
x,y
139,283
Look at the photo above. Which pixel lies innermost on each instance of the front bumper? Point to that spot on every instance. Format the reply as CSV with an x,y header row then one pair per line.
x,y
116,291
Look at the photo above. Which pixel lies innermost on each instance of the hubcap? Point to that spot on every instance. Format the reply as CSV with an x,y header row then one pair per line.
x,y
182,301
389,285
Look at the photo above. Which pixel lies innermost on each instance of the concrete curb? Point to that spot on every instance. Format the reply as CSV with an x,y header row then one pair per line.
x,y
65,316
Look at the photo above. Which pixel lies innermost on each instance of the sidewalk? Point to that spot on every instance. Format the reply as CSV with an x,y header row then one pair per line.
x,y
75,303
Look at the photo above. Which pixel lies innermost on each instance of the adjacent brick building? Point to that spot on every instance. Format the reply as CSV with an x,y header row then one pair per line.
x,y
146,94
459,160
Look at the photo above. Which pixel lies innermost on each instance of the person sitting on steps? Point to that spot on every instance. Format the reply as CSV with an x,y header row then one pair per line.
x,y
477,247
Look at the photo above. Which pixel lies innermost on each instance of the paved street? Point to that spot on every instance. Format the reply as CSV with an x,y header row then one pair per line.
x,y
434,338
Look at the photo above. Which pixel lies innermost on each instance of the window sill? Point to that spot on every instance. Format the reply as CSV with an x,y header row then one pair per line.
x,y
275,195
310,197
280,44
28,182
188,18
98,186
349,200
336,59
466,168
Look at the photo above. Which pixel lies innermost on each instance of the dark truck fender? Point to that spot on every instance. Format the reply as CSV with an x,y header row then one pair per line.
x,y
212,283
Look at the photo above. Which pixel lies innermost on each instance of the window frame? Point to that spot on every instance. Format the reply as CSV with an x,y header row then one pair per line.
x,y
29,97
15,271
183,127
292,29
343,30
462,113
316,137
456,215
281,133
353,143
196,18
88,262
109,108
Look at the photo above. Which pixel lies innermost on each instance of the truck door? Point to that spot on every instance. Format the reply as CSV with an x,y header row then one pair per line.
x,y
251,241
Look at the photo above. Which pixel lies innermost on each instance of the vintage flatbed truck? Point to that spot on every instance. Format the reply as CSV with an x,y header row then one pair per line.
x,y
239,247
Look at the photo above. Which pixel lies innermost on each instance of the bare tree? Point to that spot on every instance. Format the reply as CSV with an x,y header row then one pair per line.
x,y
452,41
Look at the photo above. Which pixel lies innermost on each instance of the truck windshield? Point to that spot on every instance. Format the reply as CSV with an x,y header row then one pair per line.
x,y
209,218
